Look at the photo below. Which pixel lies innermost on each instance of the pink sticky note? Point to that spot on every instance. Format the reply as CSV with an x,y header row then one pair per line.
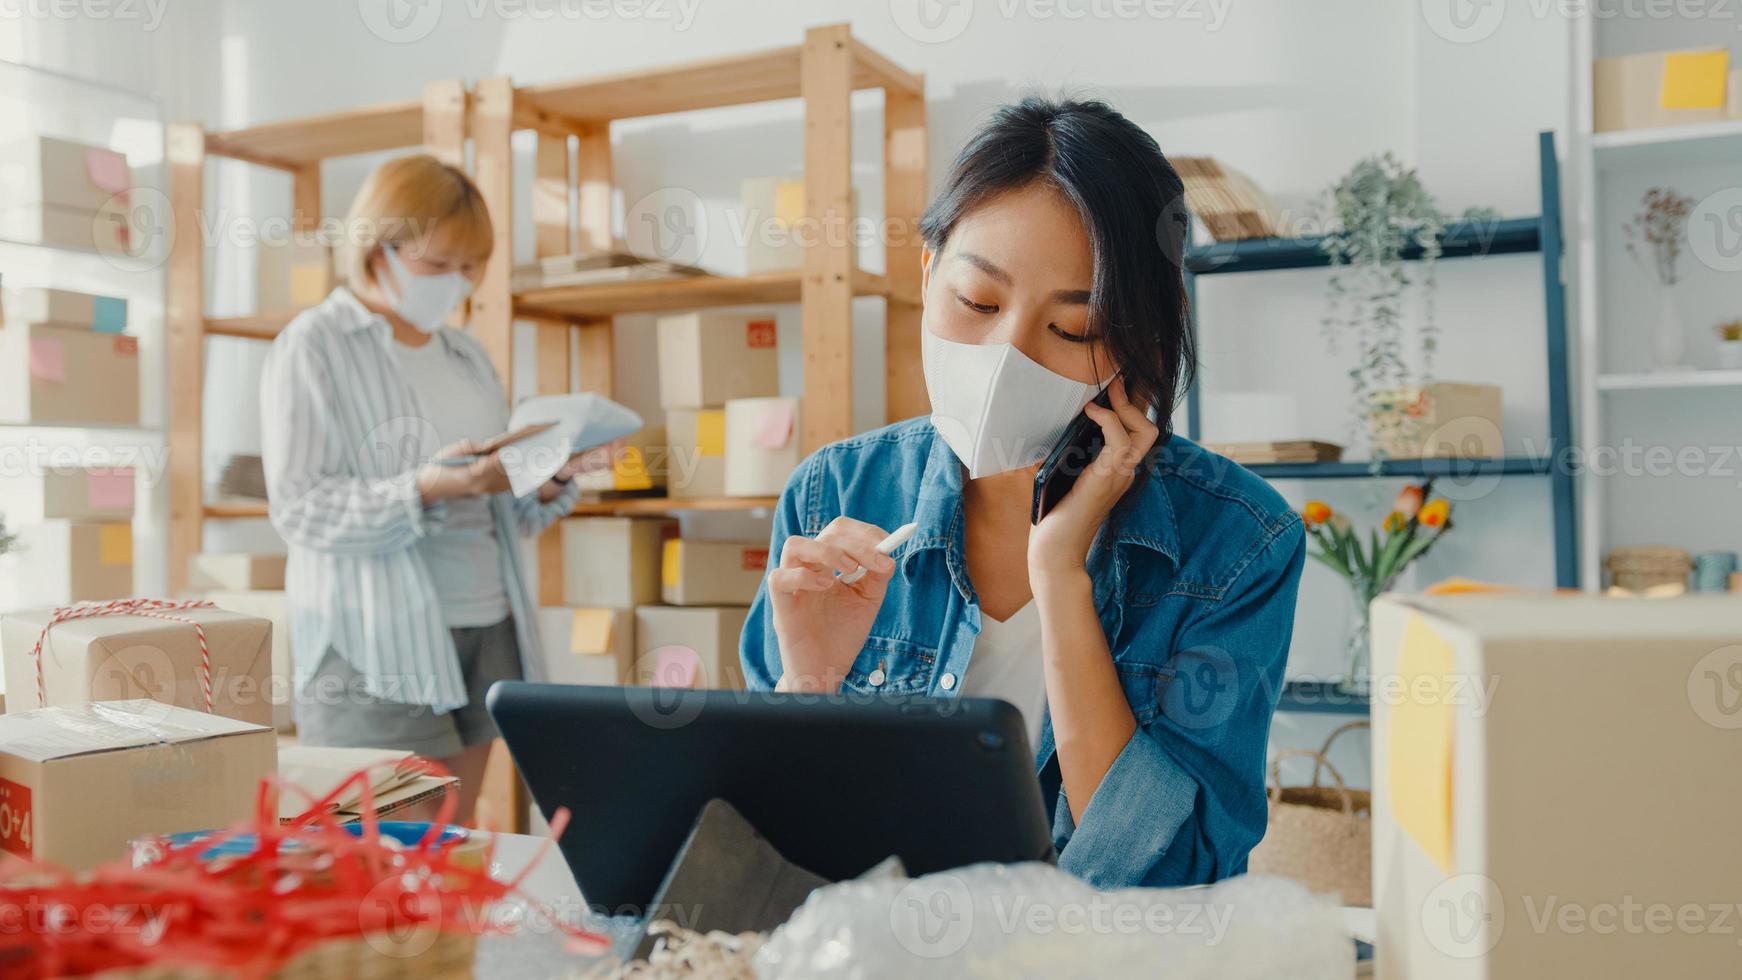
x,y
47,359
676,667
109,489
774,428
107,170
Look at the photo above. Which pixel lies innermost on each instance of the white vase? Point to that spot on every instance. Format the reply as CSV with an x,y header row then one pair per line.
x,y
1730,355
1669,345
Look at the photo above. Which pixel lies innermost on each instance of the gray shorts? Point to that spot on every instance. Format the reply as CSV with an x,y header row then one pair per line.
x,y
333,709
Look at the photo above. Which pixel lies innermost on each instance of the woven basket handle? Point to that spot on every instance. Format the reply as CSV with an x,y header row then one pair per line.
x,y
1325,749
1320,760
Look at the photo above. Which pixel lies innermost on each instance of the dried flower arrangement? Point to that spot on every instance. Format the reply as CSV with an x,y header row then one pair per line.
x,y
1659,229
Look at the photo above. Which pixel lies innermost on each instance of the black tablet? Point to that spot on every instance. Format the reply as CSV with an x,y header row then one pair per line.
x,y
836,784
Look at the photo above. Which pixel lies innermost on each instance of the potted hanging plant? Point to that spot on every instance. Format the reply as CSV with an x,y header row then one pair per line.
x,y
1375,214
1730,345
1654,239
1370,564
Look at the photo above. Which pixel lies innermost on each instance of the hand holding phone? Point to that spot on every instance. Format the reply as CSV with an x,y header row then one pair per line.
x,y
1084,477
1069,457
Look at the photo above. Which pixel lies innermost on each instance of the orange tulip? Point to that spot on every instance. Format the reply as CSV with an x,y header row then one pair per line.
x,y
1408,501
1315,512
1436,513
1394,522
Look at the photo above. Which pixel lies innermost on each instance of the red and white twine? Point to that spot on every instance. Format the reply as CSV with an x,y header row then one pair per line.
x,y
152,608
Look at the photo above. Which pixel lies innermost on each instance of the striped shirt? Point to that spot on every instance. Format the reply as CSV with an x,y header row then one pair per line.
x,y
343,435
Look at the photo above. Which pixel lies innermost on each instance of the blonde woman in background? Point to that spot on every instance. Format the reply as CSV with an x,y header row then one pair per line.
x,y
408,595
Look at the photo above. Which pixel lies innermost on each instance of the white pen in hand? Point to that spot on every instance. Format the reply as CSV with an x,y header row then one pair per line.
x,y
886,546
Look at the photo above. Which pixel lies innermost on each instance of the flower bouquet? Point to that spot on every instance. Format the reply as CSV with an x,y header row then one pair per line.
x,y
1371,566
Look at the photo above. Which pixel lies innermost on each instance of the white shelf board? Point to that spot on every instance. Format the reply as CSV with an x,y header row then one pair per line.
x,y
1669,379
1717,142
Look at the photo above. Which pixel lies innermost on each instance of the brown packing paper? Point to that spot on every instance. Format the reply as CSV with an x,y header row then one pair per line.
x,y
110,658
712,573
78,782
272,606
689,646
64,375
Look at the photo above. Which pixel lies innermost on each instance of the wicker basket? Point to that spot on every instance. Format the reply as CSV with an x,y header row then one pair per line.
x,y
381,957
1321,836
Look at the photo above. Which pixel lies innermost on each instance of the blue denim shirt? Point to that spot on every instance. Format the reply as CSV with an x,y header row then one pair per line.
x,y
1195,574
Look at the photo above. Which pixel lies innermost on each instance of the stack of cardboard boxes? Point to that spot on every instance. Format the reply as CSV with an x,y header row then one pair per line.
x,y
65,359
64,194
719,383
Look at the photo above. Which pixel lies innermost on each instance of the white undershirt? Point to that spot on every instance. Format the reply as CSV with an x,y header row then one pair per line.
x,y
463,556
1006,664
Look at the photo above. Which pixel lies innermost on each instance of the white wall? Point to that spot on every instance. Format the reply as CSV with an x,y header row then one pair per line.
x,y
1292,93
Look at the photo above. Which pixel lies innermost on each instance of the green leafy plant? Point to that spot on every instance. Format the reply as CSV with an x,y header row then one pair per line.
x,y
1371,566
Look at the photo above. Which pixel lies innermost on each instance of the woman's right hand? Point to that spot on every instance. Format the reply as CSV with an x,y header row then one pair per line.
x,y
484,475
820,623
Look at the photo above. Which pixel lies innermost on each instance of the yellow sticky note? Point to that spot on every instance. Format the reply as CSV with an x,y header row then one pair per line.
x,y
115,544
1419,745
789,201
671,562
629,471
591,632
711,433
308,284
1695,79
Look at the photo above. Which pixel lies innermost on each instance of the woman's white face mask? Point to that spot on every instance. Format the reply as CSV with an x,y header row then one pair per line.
x,y
997,408
424,301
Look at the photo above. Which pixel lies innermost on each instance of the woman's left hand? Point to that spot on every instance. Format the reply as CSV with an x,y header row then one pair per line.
x,y
1060,542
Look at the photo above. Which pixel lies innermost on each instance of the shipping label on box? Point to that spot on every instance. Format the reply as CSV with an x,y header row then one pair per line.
x,y
689,646
707,359
712,573
78,782
612,562
697,465
57,562
235,572
109,658
68,494
588,645
63,307
762,445
61,375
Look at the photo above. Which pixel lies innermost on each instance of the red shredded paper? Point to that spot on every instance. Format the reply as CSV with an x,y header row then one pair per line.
x,y
305,883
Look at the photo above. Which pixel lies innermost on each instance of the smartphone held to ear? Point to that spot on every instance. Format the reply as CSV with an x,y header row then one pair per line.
x,y
1069,457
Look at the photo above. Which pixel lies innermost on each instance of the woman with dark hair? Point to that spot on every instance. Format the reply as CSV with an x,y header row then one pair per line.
x,y
1143,624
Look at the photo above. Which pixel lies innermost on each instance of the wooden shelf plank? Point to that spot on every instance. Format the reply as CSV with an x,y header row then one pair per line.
x,y
629,506
600,300
1461,239
759,76
235,509
1433,467
309,139
255,326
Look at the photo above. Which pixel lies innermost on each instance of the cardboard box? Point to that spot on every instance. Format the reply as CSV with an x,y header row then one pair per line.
x,y
105,231
45,170
1628,92
1441,420
643,465
292,273
63,307
711,573
273,607
1540,763
689,646
778,229
68,494
762,446
78,782
590,645
116,658
612,561
707,359
235,571
56,563
697,460
67,376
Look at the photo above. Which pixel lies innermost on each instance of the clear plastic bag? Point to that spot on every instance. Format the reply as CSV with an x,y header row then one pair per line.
x,y
1033,920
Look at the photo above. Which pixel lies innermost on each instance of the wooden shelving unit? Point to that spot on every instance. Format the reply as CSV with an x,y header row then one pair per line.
x,y
296,147
572,119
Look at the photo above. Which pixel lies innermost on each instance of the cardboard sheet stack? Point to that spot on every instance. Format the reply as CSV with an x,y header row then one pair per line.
x,y
64,194
75,536
397,780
